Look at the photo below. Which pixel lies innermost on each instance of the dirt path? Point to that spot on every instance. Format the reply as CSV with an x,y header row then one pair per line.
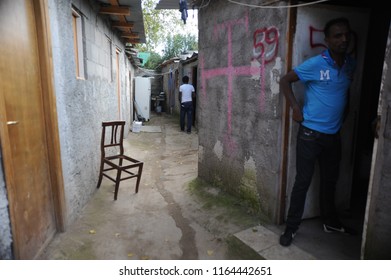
x,y
174,215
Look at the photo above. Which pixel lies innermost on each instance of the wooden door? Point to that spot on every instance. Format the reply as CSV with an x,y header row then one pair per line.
x,y
23,135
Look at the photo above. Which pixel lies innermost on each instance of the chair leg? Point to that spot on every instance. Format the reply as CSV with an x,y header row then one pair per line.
x,y
100,176
117,181
140,171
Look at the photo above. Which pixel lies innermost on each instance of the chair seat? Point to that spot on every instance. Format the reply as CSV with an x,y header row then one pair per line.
x,y
125,167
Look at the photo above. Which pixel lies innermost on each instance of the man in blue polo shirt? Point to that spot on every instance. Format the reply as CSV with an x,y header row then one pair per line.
x,y
326,78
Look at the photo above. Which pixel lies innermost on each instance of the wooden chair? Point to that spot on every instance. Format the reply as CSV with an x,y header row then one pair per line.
x,y
113,158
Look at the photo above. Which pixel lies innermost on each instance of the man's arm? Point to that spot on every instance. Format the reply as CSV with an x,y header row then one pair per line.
x,y
286,89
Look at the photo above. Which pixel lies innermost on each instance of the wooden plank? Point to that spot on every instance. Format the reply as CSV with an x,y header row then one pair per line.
x,y
132,41
50,110
130,35
286,120
123,10
116,24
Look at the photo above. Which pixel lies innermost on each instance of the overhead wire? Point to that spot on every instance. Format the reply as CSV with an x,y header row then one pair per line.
x,y
265,6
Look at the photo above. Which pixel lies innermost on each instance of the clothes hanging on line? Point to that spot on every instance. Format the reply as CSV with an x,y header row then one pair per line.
x,y
183,10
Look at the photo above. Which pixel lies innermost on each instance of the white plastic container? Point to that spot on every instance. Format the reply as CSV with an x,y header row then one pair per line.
x,y
136,126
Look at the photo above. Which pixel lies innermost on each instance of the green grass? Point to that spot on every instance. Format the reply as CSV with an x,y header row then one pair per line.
x,y
227,208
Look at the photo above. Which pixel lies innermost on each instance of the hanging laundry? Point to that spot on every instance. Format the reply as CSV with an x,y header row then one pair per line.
x,y
171,89
183,10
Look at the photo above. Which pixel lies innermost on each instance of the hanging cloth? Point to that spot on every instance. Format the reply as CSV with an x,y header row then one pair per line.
x,y
183,10
171,89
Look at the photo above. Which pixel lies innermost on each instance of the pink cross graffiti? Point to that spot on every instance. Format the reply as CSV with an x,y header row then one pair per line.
x,y
231,71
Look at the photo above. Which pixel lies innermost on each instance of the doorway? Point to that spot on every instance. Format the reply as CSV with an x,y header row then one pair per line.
x,y
373,68
372,27
28,130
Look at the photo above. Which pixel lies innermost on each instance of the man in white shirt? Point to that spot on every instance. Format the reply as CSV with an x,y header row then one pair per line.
x,y
186,95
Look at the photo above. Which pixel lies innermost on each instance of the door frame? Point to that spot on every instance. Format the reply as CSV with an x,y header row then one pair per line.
x,y
51,126
286,121
287,124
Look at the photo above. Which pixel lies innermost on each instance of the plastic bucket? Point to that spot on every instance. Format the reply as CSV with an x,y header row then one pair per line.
x,y
136,126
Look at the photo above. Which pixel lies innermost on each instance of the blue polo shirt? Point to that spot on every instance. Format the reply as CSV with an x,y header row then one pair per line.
x,y
326,89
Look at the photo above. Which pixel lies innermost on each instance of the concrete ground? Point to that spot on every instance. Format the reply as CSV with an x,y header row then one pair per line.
x,y
176,216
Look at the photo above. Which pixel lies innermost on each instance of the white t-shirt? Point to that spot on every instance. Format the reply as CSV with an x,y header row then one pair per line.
x,y
187,91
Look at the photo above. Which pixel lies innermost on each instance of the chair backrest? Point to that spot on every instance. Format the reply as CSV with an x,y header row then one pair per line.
x,y
112,136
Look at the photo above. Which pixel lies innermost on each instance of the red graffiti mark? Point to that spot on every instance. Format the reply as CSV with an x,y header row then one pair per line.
x,y
265,44
313,42
229,24
230,72
265,39
262,79
230,145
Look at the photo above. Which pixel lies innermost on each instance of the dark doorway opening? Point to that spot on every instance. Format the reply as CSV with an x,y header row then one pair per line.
x,y
372,73
323,245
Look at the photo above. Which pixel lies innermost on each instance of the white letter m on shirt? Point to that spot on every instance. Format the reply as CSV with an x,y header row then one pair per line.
x,y
324,75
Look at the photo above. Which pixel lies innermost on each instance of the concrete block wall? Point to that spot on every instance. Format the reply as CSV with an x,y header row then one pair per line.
x,y
170,86
241,50
82,104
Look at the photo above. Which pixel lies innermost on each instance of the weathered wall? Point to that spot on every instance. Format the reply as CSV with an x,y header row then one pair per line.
x,y
83,104
378,230
188,68
5,227
170,85
238,106
241,57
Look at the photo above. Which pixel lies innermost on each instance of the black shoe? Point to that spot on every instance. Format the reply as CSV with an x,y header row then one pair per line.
x,y
339,229
287,237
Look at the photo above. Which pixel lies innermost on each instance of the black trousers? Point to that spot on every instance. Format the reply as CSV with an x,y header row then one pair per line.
x,y
186,111
313,146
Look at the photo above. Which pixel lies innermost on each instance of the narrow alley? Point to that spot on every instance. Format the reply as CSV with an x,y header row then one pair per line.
x,y
79,63
171,217
175,216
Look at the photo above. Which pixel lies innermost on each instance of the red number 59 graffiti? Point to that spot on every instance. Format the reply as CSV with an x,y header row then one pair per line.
x,y
265,44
